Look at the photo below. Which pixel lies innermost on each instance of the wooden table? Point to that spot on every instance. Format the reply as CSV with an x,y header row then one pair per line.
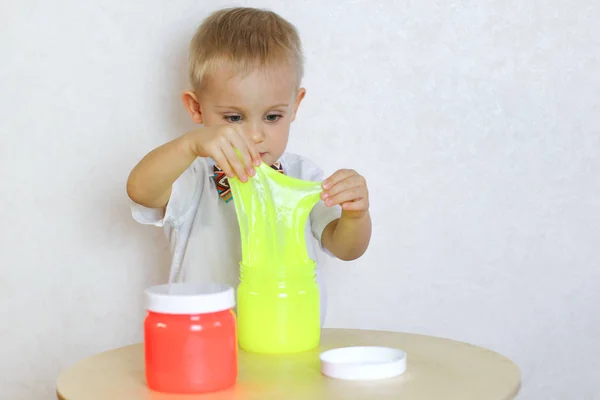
x,y
438,369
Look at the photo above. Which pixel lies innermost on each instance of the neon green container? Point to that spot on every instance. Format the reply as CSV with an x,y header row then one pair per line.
x,y
278,315
278,296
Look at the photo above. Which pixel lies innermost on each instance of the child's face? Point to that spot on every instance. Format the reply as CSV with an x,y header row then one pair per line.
x,y
263,104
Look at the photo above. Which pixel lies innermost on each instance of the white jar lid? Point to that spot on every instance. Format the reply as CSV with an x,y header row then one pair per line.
x,y
363,363
189,298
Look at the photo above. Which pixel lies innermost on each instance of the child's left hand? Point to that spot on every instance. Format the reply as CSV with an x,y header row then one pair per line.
x,y
348,189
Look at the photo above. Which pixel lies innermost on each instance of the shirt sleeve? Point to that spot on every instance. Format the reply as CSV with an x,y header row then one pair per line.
x,y
320,217
186,190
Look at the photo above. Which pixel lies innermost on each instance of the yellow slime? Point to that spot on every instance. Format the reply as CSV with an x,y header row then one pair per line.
x,y
278,297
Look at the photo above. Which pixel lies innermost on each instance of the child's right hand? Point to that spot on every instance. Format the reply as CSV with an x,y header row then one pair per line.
x,y
220,143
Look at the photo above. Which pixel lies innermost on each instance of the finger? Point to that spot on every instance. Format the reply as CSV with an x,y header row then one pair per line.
x,y
254,153
346,184
338,176
250,146
352,194
234,161
222,162
239,143
357,205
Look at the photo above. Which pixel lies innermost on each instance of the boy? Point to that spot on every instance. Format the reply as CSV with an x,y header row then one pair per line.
x,y
245,69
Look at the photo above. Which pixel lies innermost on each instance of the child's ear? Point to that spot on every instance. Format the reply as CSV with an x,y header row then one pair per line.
x,y
300,96
190,101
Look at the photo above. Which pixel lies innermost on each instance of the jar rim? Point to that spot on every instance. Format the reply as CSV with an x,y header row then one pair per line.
x,y
189,298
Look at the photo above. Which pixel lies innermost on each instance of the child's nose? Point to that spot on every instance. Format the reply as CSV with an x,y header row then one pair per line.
x,y
257,135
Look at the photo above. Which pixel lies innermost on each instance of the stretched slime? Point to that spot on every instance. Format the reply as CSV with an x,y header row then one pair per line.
x,y
278,297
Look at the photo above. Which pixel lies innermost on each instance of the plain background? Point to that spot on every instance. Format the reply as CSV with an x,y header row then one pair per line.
x,y
476,123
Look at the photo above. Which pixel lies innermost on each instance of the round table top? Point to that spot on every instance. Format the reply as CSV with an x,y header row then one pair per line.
x,y
436,369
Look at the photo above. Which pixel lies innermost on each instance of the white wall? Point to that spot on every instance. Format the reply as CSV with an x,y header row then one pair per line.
x,y
476,123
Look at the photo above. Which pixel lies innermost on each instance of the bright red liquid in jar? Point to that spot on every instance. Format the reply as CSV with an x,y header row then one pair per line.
x,y
190,353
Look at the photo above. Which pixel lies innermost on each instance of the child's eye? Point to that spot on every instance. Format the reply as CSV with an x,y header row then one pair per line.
x,y
232,118
273,117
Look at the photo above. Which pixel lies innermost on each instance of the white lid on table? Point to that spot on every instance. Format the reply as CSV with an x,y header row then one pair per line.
x,y
189,298
363,363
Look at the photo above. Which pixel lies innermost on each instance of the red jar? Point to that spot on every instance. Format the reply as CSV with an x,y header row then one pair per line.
x,y
190,338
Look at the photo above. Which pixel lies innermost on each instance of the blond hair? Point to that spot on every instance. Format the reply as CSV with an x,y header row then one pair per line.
x,y
244,39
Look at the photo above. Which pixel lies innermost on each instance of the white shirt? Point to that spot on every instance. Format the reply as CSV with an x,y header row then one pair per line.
x,y
203,230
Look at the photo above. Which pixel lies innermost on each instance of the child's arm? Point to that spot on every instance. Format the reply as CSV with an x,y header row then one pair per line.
x,y
348,237
150,181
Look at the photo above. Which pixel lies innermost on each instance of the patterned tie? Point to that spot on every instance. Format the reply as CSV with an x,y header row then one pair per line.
x,y
222,182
